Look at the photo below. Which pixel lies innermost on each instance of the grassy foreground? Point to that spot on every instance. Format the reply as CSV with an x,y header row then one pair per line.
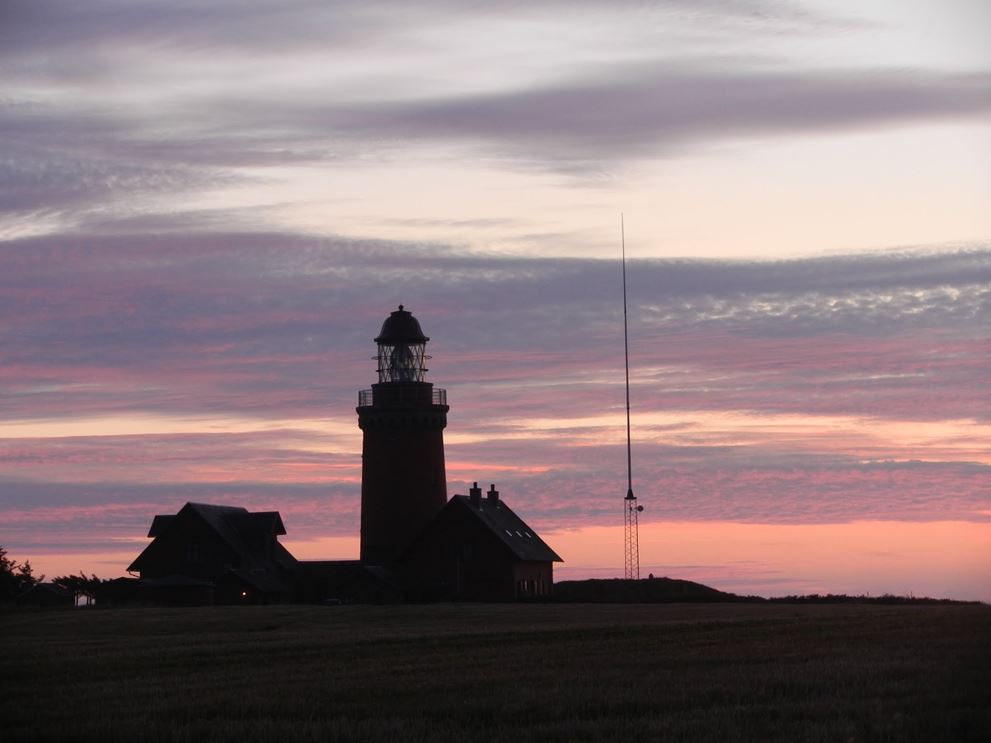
x,y
469,672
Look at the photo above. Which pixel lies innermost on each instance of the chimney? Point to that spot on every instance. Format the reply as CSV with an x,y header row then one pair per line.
x,y
475,495
493,494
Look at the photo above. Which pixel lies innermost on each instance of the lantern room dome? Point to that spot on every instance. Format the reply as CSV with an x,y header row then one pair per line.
x,y
401,327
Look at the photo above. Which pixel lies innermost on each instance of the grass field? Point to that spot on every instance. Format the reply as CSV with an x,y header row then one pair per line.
x,y
470,672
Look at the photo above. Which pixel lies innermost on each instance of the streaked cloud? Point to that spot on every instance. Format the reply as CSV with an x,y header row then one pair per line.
x,y
193,98
208,210
666,109
162,368
267,323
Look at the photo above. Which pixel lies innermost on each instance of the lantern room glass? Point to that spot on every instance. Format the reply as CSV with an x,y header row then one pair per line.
x,y
401,362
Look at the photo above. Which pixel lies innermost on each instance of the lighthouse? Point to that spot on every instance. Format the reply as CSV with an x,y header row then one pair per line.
x,y
402,419
416,545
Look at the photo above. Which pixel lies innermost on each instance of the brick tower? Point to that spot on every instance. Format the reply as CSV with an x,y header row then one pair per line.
x,y
402,417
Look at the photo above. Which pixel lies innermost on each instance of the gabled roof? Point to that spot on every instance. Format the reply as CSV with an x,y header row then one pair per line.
x,y
160,524
248,534
511,530
283,557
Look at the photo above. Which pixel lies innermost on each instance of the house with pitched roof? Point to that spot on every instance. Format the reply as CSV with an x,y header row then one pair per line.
x,y
478,549
216,554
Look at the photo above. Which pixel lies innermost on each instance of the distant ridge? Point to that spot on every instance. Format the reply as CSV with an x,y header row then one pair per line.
x,y
644,591
673,590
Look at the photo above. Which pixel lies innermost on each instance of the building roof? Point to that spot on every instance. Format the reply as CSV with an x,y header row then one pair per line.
x,y
248,534
401,327
160,524
511,530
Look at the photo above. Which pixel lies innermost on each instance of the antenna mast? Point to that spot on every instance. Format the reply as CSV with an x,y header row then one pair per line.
x,y
631,528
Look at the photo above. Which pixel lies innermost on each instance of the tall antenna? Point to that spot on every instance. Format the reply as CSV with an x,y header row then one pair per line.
x,y
631,528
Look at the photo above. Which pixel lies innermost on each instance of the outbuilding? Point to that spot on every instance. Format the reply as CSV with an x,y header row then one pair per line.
x,y
478,549
216,554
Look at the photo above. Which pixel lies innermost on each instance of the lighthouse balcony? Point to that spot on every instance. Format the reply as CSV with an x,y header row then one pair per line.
x,y
402,395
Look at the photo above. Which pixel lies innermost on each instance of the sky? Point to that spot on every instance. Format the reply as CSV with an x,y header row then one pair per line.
x,y
208,209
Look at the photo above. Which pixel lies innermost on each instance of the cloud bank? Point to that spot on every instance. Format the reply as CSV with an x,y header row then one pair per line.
x,y
153,369
187,313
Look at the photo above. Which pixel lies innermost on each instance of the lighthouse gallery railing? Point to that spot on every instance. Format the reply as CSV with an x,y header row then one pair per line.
x,y
402,394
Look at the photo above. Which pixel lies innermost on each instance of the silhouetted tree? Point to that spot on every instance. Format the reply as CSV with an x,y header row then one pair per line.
x,y
80,585
15,578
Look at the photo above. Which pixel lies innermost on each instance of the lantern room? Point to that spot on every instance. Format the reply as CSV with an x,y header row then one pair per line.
x,y
401,348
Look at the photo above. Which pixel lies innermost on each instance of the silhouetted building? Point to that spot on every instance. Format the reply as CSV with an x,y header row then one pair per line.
x,y
402,417
478,549
117,592
349,582
468,547
415,544
216,554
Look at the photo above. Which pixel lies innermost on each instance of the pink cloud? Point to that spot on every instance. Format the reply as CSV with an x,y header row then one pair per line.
x,y
801,400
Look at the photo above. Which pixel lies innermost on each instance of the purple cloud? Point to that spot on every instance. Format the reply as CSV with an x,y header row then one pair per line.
x,y
270,328
663,108
278,323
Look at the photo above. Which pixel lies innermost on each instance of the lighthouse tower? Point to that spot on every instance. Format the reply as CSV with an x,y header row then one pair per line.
x,y
402,417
